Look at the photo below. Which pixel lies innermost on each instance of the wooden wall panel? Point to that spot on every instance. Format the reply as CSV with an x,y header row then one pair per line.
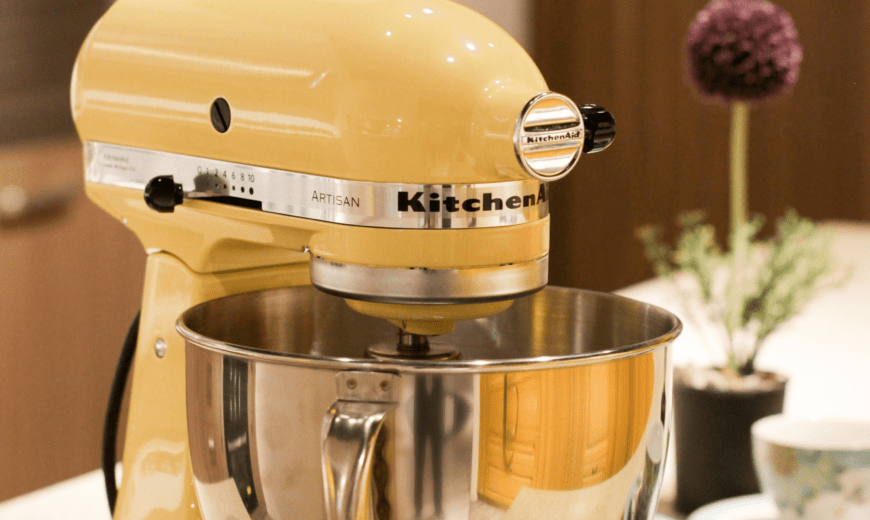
x,y
808,150
39,42
69,289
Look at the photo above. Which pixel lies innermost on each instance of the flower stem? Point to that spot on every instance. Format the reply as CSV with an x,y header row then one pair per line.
x,y
739,146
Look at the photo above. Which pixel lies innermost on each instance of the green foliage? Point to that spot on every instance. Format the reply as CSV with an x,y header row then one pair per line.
x,y
781,275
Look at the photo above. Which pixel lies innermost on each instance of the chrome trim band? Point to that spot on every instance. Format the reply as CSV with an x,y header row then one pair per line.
x,y
371,204
428,286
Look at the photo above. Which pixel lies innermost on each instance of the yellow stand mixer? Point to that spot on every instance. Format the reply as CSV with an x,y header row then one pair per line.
x,y
396,153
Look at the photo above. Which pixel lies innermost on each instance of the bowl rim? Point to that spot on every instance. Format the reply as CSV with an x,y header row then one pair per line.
x,y
196,339
761,432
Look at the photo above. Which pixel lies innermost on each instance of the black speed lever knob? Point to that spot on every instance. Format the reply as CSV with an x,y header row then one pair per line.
x,y
162,194
600,128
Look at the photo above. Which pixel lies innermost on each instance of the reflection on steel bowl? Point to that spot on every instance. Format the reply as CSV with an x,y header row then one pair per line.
x,y
558,407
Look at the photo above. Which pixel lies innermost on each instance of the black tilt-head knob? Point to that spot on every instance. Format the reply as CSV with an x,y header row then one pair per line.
x,y
600,128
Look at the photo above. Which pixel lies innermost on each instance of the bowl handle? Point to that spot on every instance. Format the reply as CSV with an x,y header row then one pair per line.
x,y
350,429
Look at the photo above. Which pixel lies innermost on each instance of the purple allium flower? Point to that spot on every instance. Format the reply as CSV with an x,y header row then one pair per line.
x,y
743,50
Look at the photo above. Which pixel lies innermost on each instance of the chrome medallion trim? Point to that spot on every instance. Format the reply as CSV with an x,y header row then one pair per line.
x,y
428,286
548,137
372,204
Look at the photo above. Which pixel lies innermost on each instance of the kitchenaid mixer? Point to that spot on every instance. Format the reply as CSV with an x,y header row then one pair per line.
x,y
395,154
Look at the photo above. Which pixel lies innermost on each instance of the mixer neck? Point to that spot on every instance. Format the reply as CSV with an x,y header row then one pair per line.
x,y
412,346
411,343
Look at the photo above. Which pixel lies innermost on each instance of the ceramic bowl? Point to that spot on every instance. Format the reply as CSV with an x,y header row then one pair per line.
x,y
814,469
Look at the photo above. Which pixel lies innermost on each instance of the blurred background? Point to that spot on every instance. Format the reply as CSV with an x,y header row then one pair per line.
x,y
71,276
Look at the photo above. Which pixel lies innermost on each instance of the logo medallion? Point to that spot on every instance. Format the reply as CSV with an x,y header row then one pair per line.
x,y
549,136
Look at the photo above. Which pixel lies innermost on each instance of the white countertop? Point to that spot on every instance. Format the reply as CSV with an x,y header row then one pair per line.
x,y
825,352
80,498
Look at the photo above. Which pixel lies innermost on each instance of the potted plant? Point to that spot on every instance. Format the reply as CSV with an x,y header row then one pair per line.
x,y
716,406
741,53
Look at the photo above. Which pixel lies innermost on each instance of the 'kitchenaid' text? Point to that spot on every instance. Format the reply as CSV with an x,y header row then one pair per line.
x,y
534,139
416,203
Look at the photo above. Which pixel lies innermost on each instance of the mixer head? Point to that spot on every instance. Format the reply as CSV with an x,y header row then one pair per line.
x,y
404,147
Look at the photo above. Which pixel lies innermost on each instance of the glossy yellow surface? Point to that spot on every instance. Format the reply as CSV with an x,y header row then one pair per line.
x,y
422,91
157,481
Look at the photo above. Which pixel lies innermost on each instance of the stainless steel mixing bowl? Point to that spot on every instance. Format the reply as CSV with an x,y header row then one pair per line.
x,y
557,408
